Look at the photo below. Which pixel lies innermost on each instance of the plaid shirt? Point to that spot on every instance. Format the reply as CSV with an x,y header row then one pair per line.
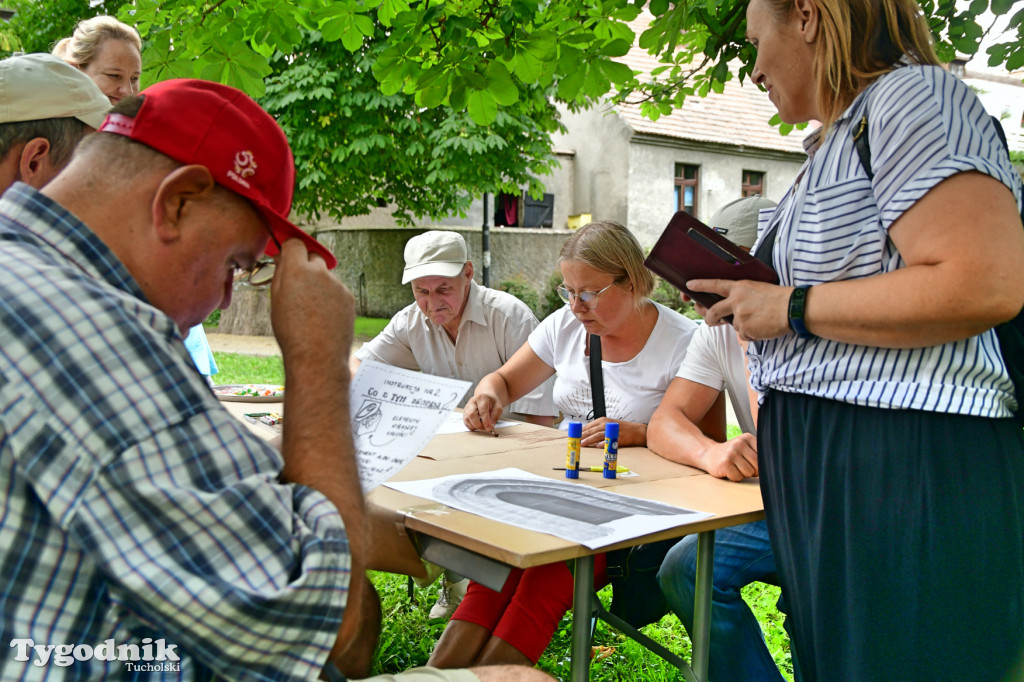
x,y
133,505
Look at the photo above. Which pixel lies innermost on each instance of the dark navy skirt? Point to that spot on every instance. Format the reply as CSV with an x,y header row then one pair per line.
x,y
899,539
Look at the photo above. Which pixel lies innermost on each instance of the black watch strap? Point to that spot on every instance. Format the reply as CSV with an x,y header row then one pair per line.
x,y
797,303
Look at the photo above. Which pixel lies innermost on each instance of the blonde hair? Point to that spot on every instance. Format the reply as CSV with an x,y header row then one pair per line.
x,y
609,247
81,47
860,41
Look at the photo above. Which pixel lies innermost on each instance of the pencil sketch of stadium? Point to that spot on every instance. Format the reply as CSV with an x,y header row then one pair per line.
x,y
547,506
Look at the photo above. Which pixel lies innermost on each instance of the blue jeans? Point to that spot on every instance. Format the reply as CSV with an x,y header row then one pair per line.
x,y
743,554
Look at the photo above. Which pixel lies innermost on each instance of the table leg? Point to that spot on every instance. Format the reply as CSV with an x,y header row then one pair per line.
x,y
701,635
582,613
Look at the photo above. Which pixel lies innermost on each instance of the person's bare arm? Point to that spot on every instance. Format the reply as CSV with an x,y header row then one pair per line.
x,y
673,433
353,364
962,277
538,419
392,551
312,317
523,372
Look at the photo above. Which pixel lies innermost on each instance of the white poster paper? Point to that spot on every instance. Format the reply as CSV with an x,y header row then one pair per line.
x,y
592,517
395,413
454,424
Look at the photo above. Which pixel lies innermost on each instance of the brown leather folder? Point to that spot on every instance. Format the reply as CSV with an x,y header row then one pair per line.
x,y
689,249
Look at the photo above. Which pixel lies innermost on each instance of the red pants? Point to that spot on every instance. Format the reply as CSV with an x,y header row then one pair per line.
x,y
529,607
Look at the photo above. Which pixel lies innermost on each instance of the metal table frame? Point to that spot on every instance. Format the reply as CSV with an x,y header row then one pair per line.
x,y
586,606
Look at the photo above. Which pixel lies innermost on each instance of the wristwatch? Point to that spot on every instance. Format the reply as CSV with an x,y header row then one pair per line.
x,y
797,302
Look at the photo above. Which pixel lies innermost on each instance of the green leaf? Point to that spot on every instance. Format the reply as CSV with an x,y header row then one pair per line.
x,y
658,7
595,84
978,6
1016,60
571,83
352,37
389,9
482,107
527,66
617,72
578,38
431,97
500,85
616,48
335,27
1016,20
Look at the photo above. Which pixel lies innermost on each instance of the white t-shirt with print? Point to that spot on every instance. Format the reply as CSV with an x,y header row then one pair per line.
x,y
632,388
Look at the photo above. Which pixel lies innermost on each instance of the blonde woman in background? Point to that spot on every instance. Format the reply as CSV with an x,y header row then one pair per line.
x,y
108,51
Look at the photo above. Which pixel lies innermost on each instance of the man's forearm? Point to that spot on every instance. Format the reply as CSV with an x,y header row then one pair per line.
x,y
317,440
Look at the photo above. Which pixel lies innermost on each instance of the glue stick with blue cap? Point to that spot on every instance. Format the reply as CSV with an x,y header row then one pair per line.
x,y
611,449
572,452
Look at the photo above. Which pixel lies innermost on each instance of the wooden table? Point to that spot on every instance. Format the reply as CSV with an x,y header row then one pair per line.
x,y
484,550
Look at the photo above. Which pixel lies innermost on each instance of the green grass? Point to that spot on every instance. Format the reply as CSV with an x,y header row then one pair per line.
x,y
369,327
248,369
408,636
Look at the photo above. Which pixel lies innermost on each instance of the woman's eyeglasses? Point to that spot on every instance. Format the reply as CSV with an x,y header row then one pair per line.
x,y
261,273
587,298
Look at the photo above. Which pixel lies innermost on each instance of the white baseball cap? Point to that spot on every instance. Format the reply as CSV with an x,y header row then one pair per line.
x,y
437,253
737,220
41,86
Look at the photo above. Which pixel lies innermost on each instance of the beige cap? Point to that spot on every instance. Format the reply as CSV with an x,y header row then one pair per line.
x,y
41,86
737,220
436,253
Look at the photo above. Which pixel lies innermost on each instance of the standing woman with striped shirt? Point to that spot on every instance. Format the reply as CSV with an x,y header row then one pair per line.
x,y
892,473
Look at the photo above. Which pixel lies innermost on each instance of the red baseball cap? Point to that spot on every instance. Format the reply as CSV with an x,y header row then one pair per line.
x,y
213,125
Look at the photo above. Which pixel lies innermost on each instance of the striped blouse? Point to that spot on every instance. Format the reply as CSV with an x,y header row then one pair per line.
x,y
925,126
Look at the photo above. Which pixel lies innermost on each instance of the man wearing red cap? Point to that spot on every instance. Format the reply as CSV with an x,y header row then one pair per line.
x,y
143,528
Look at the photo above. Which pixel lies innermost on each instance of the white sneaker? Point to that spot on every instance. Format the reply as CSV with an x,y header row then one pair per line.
x,y
448,598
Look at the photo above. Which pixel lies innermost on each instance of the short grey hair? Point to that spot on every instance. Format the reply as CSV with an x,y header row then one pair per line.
x,y
63,134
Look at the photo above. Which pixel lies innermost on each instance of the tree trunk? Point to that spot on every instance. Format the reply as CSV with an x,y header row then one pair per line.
x,y
249,313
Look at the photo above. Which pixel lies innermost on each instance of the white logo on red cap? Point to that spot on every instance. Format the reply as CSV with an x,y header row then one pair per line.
x,y
245,166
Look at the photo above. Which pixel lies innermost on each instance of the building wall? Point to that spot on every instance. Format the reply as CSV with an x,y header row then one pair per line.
x,y
652,166
600,142
370,261
629,177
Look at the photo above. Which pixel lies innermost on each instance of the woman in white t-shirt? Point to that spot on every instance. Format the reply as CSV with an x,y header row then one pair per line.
x,y
642,342
642,345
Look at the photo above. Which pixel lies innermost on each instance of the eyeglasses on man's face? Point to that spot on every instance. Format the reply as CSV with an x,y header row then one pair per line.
x,y
587,298
261,273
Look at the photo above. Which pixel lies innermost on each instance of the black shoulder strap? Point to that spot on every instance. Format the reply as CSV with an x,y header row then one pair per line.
x,y
860,143
767,245
596,378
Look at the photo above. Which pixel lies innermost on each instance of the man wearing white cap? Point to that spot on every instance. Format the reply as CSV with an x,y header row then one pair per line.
x,y
715,362
46,107
456,329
